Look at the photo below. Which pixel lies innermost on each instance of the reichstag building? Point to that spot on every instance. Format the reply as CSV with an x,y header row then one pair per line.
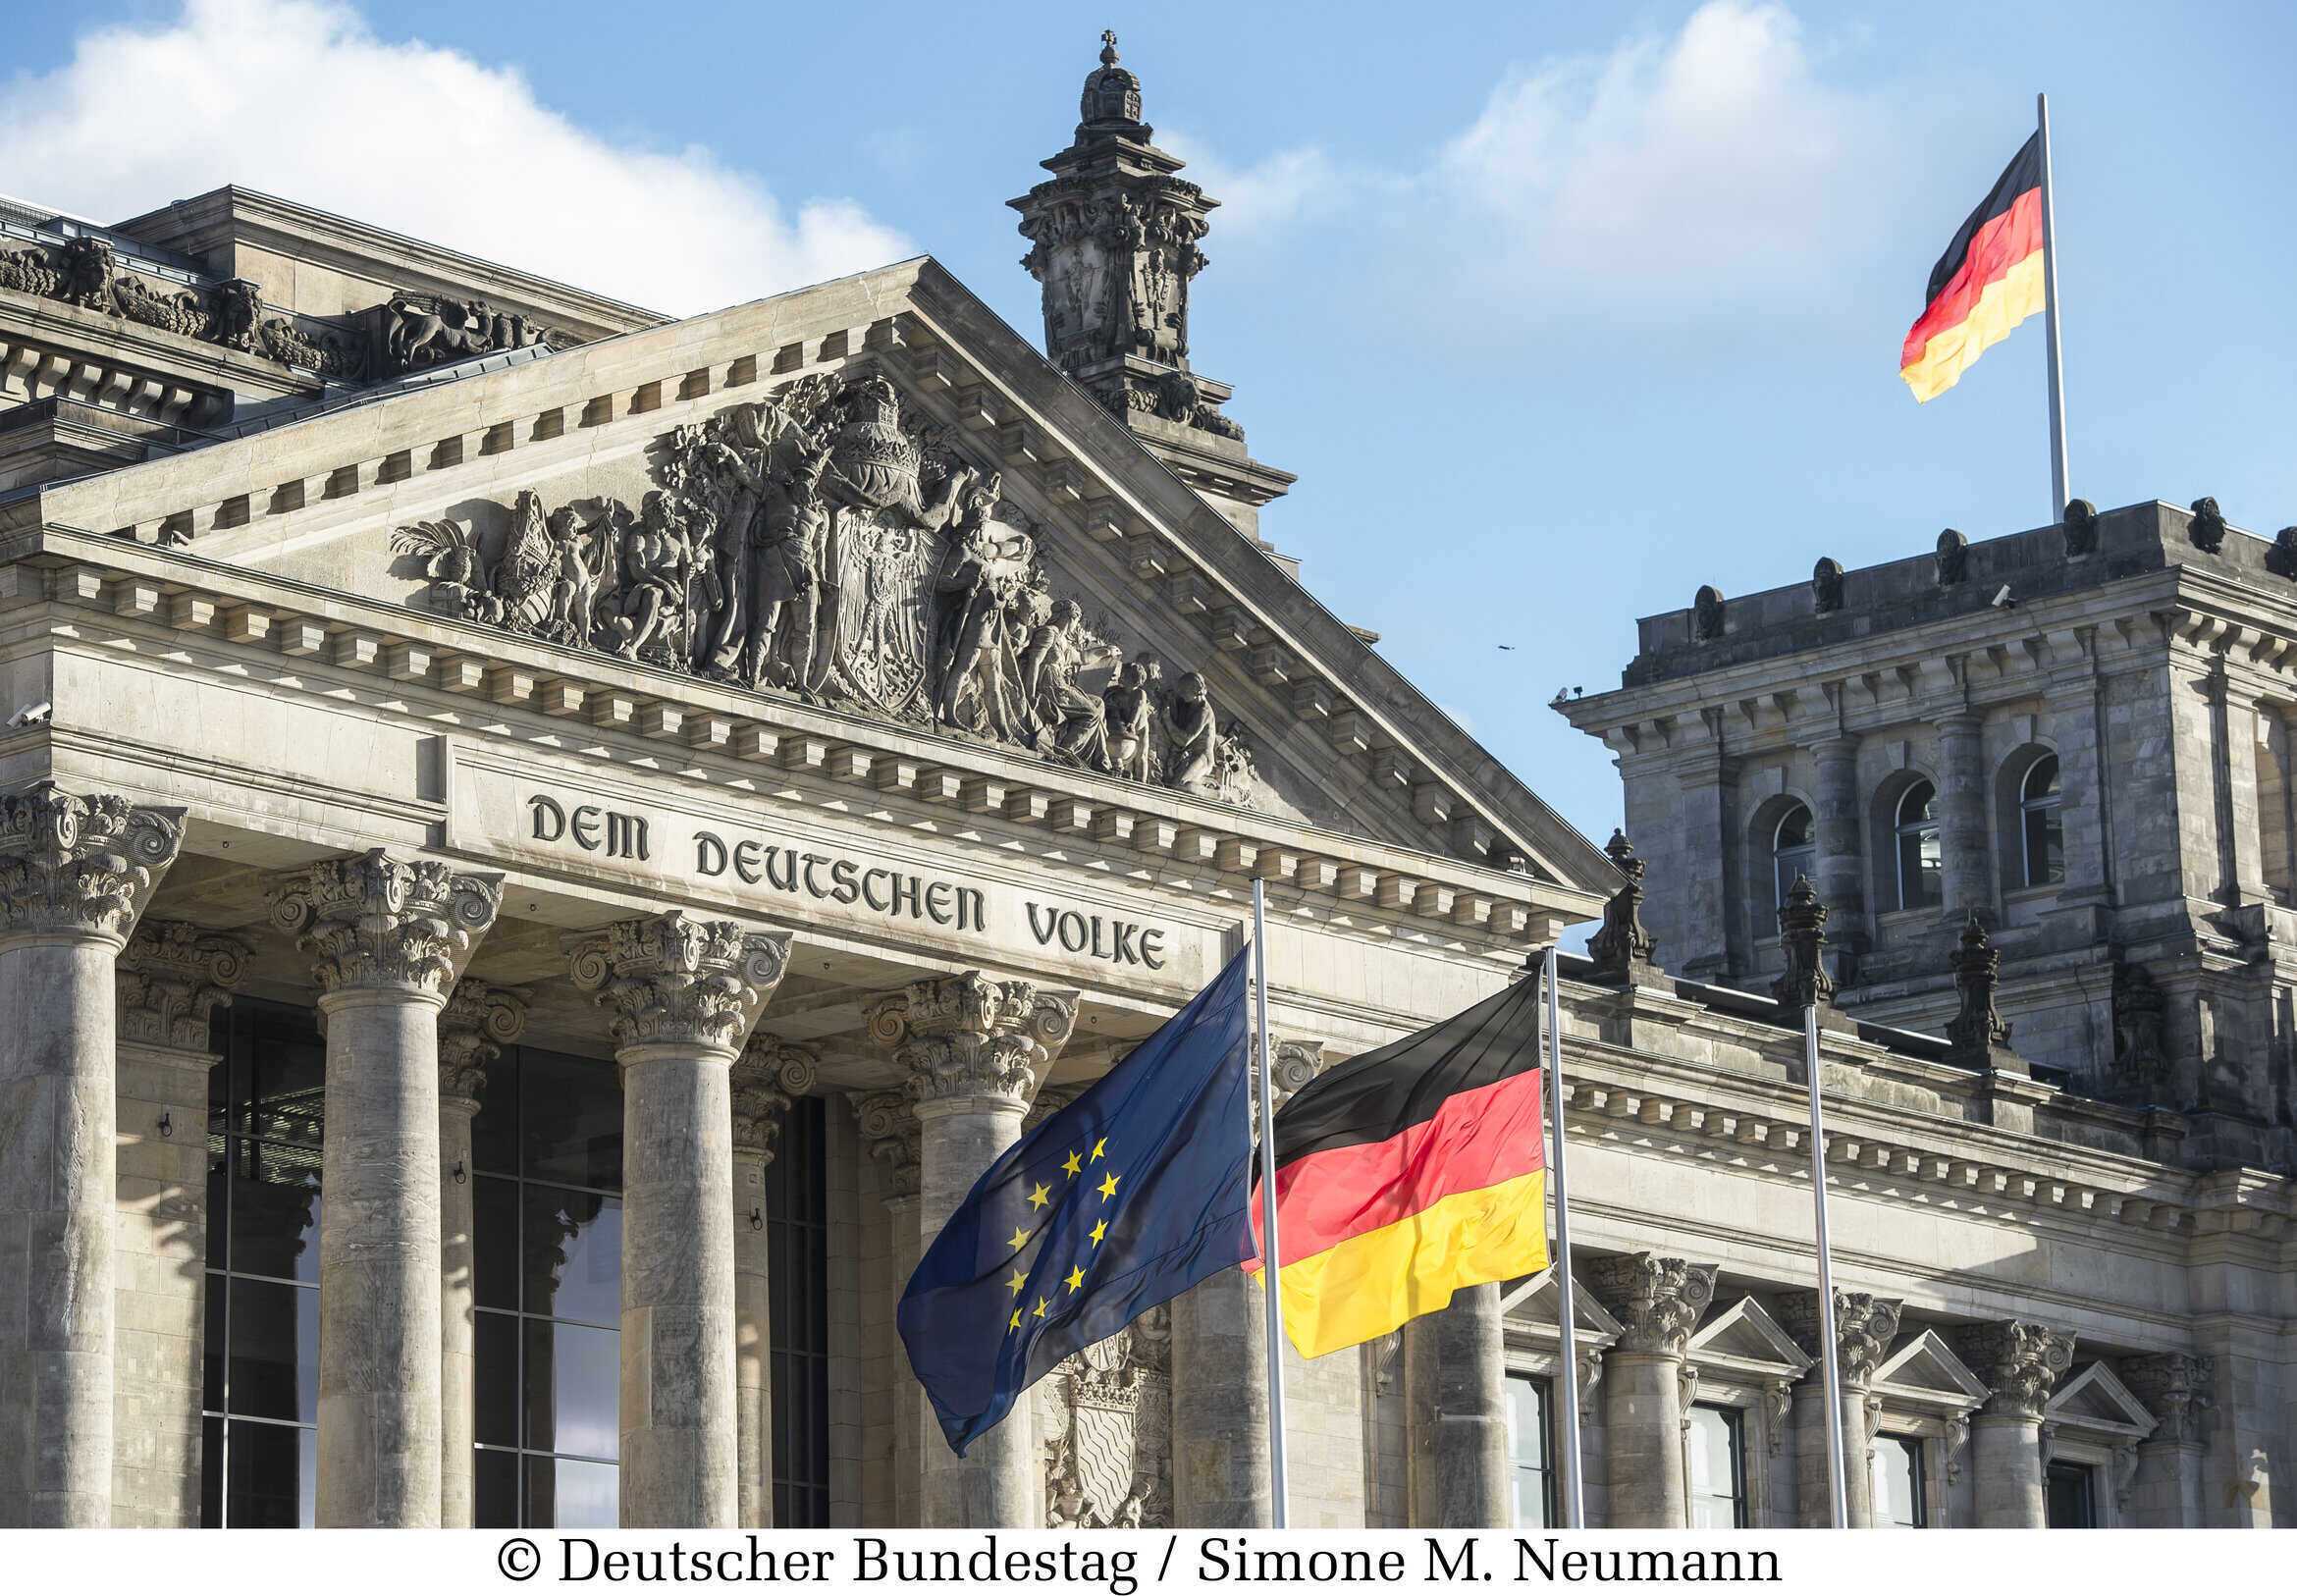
x,y
545,847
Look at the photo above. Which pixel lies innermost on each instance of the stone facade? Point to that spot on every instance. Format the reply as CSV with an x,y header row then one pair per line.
x,y
826,713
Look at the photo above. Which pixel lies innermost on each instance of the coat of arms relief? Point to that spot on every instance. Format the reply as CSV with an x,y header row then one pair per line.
x,y
1105,1415
830,544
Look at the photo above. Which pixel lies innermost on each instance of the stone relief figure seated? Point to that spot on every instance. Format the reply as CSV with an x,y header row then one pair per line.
x,y
1132,720
1077,721
1189,722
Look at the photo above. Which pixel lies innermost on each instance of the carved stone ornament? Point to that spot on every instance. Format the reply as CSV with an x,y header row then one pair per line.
x,y
767,1077
479,1021
969,1035
72,865
891,1131
1802,939
424,329
830,544
1707,614
2206,530
1953,558
2281,558
1107,1423
170,978
373,923
2176,1388
1864,1325
2081,528
1977,1030
1826,586
2141,1059
1657,1300
1777,1403
1622,950
672,980
2018,1359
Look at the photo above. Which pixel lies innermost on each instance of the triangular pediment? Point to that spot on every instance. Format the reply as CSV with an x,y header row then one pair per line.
x,y
1923,1371
2091,1398
1743,1339
892,449
1533,1306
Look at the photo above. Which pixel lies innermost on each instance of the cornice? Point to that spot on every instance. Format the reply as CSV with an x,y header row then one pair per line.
x,y
93,339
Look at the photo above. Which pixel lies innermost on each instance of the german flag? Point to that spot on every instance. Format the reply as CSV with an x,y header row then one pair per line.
x,y
1409,1173
1988,280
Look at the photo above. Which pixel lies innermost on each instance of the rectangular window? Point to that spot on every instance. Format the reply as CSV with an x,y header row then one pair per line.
x,y
1532,1451
2070,1497
1718,1469
797,1213
1897,1483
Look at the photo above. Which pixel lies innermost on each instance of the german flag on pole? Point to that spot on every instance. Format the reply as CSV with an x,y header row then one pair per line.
x,y
1409,1173
1988,280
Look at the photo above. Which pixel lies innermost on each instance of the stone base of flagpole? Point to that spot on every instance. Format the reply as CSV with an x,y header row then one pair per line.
x,y
1455,1389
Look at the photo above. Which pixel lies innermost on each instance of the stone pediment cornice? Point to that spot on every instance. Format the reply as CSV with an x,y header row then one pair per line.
x,y
442,671
1415,773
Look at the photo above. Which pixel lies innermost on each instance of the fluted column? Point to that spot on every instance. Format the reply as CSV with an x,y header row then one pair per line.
x,y
1658,1303
684,994
74,875
973,1049
767,1076
889,1131
1455,1391
2175,1388
1864,1327
170,978
2021,1363
388,938
479,1020
1967,870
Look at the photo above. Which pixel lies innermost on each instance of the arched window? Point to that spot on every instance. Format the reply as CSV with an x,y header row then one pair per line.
x,y
1794,851
2039,822
1921,856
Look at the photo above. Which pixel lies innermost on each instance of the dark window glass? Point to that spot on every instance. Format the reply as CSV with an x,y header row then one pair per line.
x,y
211,1474
271,1476
1718,1469
797,1211
274,1341
497,1380
573,1247
565,1493
1794,851
494,1133
1532,1451
571,1110
275,1210
1921,853
572,1380
2070,1496
2041,823
495,1497
1898,1482
495,1242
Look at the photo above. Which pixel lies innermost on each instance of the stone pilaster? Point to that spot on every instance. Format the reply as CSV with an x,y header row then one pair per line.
x,y
1967,866
973,1049
2176,1388
1836,827
1864,1327
1454,1394
893,1138
388,938
2020,1361
477,1022
684,994
171,979
1658,1303
76,873
766,1078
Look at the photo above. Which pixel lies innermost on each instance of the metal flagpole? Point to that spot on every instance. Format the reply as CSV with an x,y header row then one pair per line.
x,y
2058,471
1830,1360
1269,1257
1566,1304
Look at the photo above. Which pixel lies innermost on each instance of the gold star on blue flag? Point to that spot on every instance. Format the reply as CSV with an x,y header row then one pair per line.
x,y
1168,1139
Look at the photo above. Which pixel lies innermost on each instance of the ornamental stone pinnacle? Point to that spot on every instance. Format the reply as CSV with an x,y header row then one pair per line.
x,y
480,1019
81,866
378,923
1864,1325
1978,1032
1623,950
170,978
1802,939
2018,1359
1657,1300
672,979
969,1035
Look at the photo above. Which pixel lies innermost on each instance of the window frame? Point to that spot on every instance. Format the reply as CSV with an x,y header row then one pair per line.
x,y
1736,1428
1916,1451
1907,832
1781,881
2032,809
1544,1387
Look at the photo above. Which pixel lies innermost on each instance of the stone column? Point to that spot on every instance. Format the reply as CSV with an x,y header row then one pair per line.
x,y
74,875
478,1020
891,1131
1841,832
388,938
2175,1388
1704,807
1455,1392
1962,829
767,1075
2020,1361
973,1049
1864,1327
171,979
684,994
1658,1303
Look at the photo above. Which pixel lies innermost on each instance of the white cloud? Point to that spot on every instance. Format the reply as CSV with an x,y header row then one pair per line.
x,y
1289,186
302,99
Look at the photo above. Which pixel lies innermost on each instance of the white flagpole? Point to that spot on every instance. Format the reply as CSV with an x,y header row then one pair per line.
x,y
1566,1304
1269,1257
1837,1497
2057,469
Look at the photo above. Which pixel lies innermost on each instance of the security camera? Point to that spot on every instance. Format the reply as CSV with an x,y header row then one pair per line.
x,y
2003,601
32,715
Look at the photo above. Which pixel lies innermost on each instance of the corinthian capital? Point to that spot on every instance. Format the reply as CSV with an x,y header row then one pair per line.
x,y
891,1133
1864,1324
74,866
2021,1361
378,923
1657,1300
479,1020
768,1076
171,977
675,980
970,1037
2175,1388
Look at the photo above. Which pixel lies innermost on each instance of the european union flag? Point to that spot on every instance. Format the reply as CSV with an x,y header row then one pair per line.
x,y
1122,1201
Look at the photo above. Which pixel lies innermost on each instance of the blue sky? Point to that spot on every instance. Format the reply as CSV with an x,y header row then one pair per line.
x,y
1559,311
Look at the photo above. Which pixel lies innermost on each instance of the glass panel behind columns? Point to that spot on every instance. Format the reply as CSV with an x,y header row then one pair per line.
x,y
1529,1451
797,1207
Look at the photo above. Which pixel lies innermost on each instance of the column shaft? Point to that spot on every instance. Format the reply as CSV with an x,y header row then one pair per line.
x,y
1842,861
1220,1458
753,1331
1454,1381
2168,1491
1642,1420
1962,829
457,1329
2006,1452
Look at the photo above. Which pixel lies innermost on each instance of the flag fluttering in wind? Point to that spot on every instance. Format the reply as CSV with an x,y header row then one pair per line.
x,y
1988,280
1412,1172
1118,1202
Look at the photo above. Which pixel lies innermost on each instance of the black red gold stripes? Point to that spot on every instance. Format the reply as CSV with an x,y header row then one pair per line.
x,y
1988,280
1411,1173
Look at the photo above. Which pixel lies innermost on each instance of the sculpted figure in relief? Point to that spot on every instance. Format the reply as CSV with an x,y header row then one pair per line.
x,y
1194,729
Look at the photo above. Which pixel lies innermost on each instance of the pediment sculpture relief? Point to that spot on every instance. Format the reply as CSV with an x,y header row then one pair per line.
x,y
828,545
